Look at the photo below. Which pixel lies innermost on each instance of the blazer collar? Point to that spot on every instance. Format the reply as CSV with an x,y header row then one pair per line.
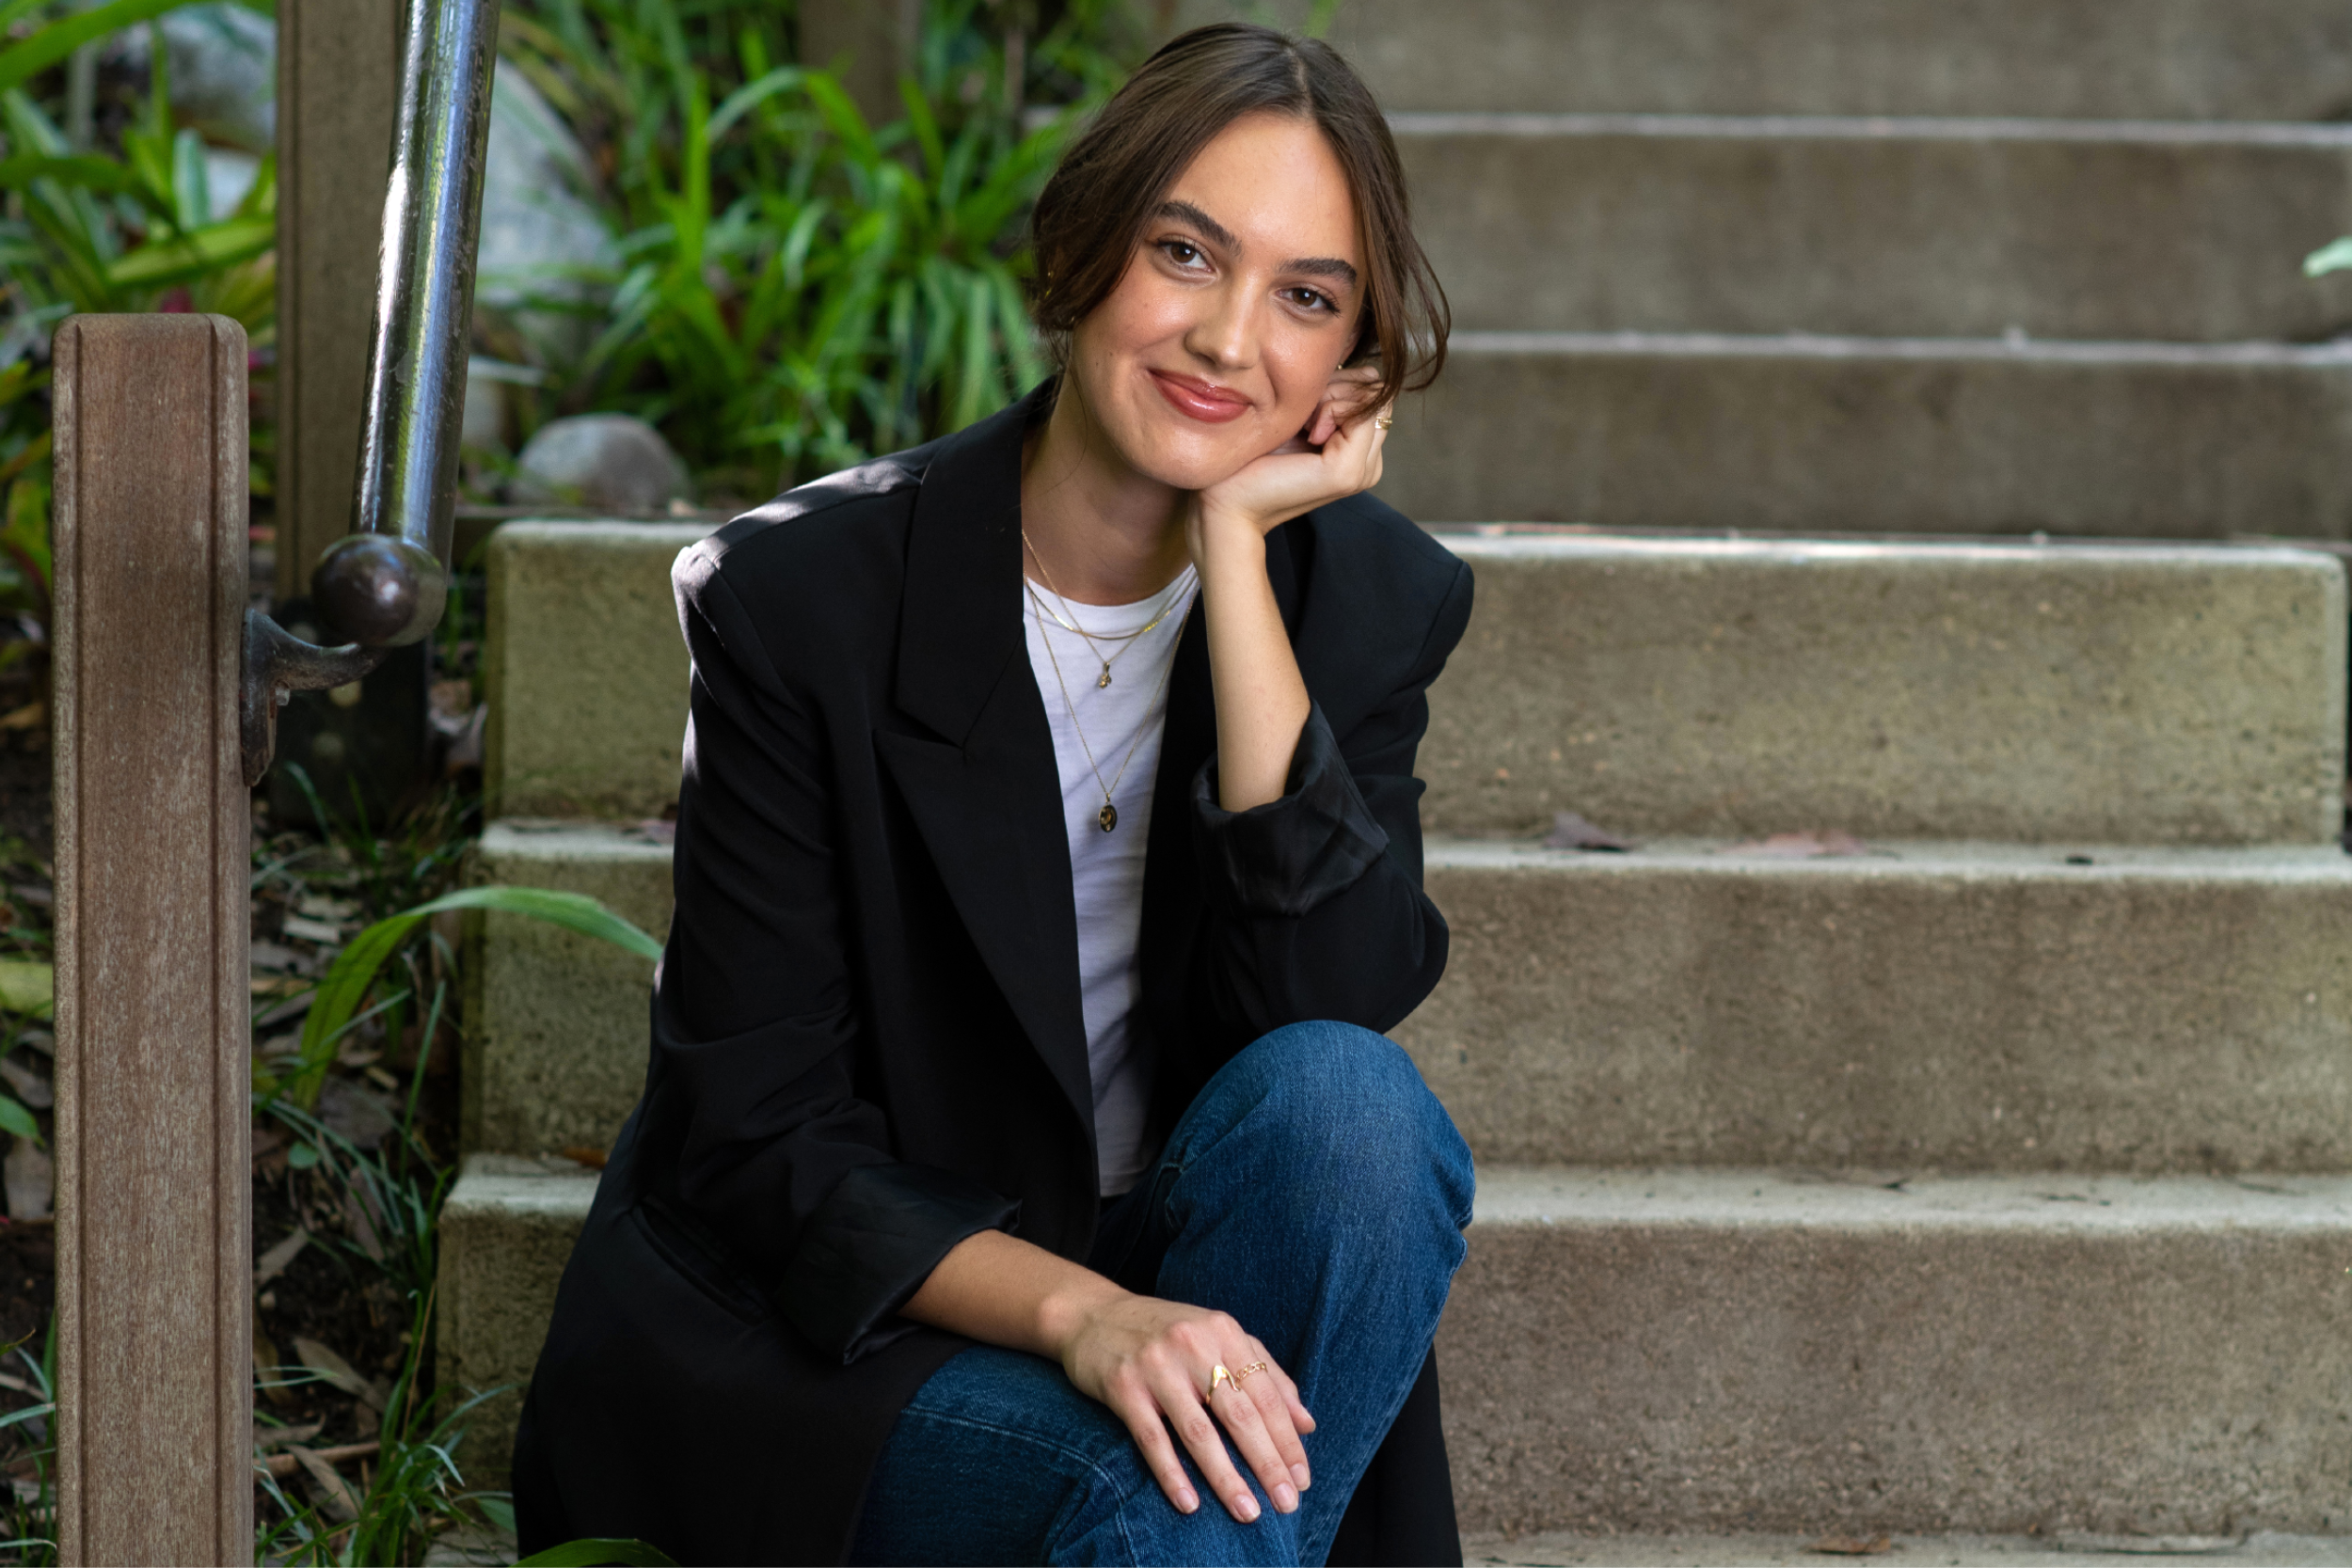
x,y
960,619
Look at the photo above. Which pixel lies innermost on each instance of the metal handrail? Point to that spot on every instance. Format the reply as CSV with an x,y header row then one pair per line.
x,y
383,584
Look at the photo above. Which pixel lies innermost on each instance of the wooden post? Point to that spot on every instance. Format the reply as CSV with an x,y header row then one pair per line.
x,y
337,106
154,1166
871,42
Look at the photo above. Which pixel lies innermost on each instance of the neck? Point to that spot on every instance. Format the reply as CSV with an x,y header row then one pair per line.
x,y
1106,533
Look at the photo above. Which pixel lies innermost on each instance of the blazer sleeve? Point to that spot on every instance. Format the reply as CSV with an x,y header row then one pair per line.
x,y
756,1032
1315,908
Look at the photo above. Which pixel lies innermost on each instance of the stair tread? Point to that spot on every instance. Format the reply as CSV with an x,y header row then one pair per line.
x,y
1855,1201
2063,1549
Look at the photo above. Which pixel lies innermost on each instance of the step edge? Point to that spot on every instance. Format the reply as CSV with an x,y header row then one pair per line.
x,y
1518,1197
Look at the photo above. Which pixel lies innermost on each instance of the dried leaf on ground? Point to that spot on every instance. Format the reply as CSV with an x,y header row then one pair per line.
x,y
27,1175
1571,832
332,1490
26,1084
274,1261
280,1436
1816,844
285,1464
1849,1546
585,1154
362,1230
339,1373
303,928
32,715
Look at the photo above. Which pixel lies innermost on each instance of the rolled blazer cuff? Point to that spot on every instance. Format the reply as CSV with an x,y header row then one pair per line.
x,y
869,1247
1289,855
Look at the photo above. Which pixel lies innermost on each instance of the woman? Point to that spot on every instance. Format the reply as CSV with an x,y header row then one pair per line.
x,y
1018,1176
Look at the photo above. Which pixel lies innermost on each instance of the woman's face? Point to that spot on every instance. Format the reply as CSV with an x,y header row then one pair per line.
x,y
1240,303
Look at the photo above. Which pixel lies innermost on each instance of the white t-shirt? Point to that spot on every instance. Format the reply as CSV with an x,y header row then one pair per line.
x,y
1106,868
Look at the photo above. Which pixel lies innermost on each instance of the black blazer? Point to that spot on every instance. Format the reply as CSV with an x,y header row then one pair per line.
x,y
867,1035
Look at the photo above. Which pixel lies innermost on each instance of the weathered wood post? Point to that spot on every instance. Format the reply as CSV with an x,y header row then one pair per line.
x,y
167,688
155,1272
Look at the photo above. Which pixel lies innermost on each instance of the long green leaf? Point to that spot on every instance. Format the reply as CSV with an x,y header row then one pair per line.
x,y
20,62
592,1552
354,972
211,248
92,174
2333,257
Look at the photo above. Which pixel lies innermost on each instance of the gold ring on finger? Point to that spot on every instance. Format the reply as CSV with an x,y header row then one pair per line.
x,y
1218,1374
1253,1368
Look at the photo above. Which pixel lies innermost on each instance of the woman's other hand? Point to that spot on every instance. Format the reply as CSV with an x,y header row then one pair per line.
x,y
1337,455
1152,1361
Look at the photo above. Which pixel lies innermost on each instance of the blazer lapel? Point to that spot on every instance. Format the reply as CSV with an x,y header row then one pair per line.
x,y
985,793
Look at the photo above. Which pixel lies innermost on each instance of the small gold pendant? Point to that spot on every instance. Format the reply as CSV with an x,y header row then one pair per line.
x,y
1108,816
1105,680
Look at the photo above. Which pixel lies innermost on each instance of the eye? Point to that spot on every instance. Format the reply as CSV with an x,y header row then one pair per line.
x,y
1310,299
1183,252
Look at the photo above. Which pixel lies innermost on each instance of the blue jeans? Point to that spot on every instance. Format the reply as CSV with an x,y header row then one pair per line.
x,y
1316,1191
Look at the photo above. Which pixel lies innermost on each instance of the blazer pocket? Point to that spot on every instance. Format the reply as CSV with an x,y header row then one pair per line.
x,y
697,1258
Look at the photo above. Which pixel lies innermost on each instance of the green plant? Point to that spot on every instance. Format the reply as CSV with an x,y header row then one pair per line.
x,y
797,287
96,230
358,969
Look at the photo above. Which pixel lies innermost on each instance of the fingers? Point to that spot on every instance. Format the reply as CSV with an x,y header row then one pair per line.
x,y
1275,1414
1197,1432
1261,1447
1133,1404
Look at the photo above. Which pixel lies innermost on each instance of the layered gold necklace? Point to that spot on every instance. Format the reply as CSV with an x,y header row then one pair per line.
x,y
1107,819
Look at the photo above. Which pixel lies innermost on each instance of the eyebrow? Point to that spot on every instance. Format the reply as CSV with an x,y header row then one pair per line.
x,y
1313,266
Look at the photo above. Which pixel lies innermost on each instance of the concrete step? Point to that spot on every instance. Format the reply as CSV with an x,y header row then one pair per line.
x,y
1922,690
556,1023
1759,1351
507,1231
2037,693
584,668
1954,1006
1754,1352
2054,1549
1980,1007
2089,59
1906,227
1865,435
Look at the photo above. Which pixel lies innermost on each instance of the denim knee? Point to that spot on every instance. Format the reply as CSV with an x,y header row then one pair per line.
x,y
1356,1113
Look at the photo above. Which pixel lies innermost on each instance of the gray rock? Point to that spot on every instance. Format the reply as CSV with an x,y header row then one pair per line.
x,y
223,63
539,231
612,462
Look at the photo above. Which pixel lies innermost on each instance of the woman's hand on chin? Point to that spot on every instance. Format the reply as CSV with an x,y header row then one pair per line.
x,y
1151,1361
1335,456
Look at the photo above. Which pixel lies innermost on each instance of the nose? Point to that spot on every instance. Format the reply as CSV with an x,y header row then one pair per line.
x,y
1224,333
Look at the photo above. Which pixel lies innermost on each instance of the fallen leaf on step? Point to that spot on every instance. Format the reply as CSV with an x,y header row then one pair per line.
x,y
585,1154
32,715
1571,832
1801,846
1849,1546
337,1372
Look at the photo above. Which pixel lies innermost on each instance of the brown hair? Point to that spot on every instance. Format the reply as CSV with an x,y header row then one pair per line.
x,y
1093,212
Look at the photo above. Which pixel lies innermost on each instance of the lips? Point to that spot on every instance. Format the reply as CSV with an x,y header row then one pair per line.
x,y
1199,399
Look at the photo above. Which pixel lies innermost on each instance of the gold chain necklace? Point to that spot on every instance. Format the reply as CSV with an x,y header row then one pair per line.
x,y
1127,639
1107,817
